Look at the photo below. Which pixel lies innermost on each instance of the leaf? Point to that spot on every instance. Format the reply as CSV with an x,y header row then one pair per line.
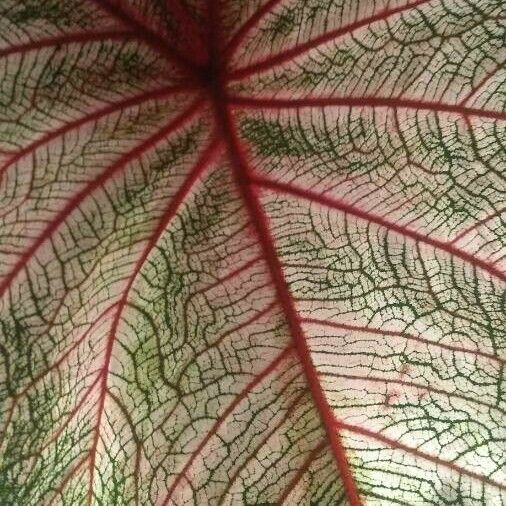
x,y
252,252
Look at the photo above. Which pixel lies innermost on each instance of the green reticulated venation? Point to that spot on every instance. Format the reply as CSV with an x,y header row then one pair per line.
x,y
252,252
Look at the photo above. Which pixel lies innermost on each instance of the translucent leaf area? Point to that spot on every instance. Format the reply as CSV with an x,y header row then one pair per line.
x,y
252,252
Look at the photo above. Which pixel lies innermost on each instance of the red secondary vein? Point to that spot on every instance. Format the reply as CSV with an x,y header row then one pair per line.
x,y
244,178
138,443
300,472
72,472
478,224
66,38
75,344
411,384
393,102
190,30
93,116
260,445
229,410
38,377
167,216
392,443
300,49
157,41
411,337
188,25
231,275
73,413
334,203
90,188
256,316
253,21
482,83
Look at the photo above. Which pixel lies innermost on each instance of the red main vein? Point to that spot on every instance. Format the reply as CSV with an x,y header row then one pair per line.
x,y
244,177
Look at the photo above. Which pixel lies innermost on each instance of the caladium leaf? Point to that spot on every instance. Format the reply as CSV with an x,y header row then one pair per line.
x,y
252,252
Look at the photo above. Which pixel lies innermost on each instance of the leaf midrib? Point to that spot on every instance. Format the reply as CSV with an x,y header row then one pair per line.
x,y
244,177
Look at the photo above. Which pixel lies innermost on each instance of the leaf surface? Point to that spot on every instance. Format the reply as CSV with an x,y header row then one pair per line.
x,y
252,252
